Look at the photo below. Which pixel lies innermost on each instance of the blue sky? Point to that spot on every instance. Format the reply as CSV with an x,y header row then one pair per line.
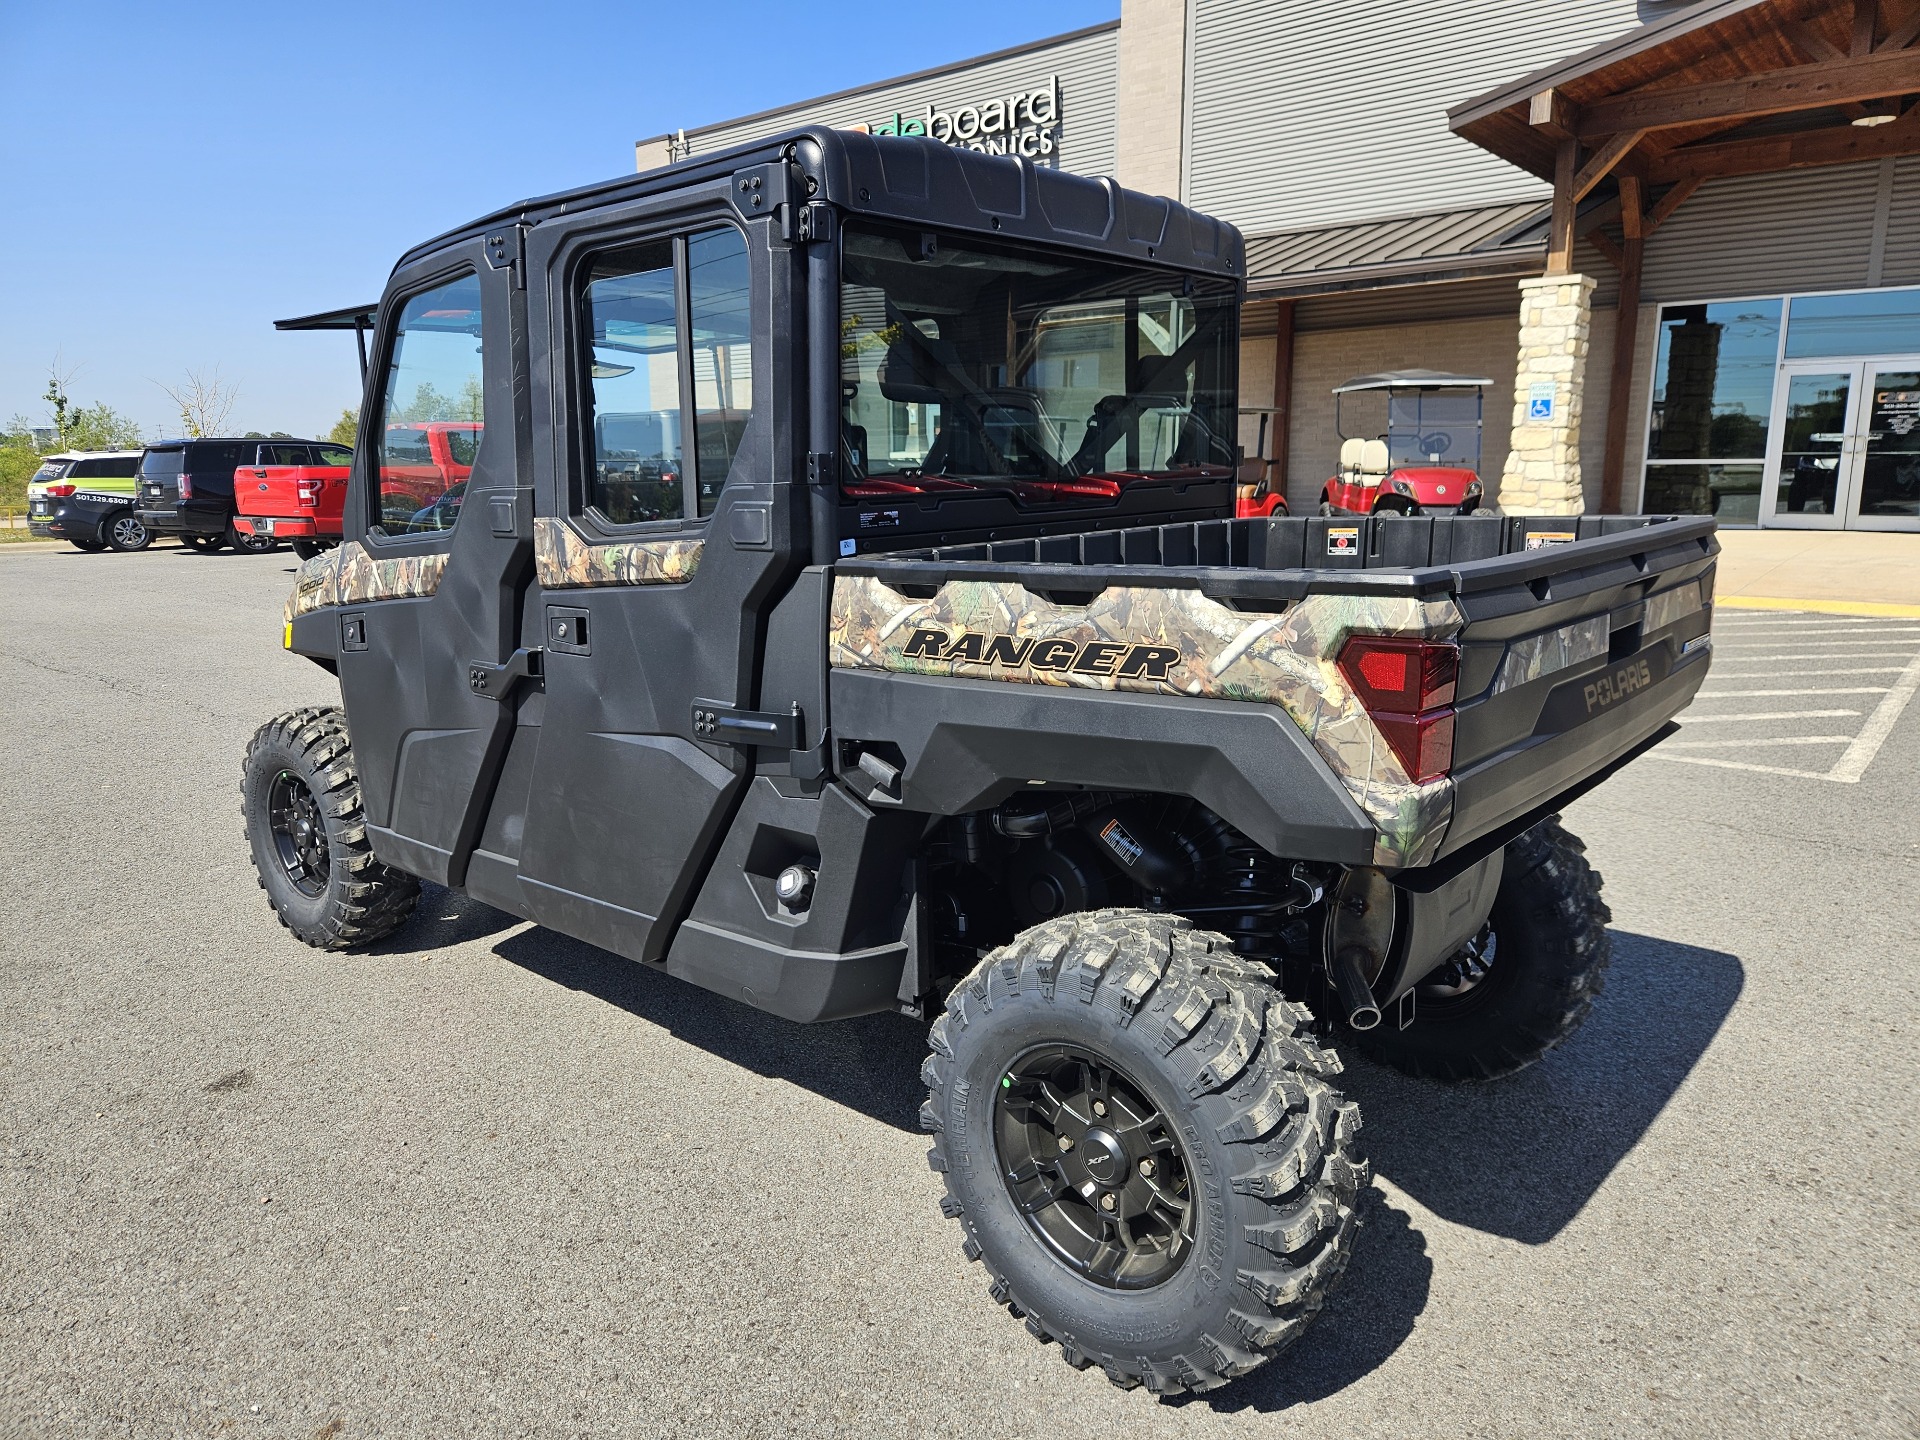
x,y
177,177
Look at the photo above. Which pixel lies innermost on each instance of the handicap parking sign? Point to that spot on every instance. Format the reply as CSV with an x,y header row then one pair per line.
x,y
1540,401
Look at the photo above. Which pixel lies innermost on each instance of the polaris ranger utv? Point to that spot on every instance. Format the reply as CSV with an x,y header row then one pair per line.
x,y
846,612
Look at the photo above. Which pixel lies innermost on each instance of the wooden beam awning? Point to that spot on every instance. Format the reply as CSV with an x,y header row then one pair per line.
x,y
1727,87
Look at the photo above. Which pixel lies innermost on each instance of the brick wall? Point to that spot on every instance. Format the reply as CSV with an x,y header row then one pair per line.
x,y
1486,345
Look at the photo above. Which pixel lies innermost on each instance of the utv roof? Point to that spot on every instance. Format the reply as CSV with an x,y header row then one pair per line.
x,y
922,181
1410,380
88,455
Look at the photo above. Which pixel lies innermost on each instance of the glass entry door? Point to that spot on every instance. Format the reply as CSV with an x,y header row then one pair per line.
x,y
1845,448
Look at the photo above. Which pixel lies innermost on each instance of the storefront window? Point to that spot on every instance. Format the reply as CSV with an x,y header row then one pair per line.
x,y
1868,322
1712,393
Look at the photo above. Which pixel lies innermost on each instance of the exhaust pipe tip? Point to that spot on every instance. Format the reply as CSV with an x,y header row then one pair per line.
x,y
1350,984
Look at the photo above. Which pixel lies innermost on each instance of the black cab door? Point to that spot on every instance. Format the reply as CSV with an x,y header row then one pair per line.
x,y
666,527
431,574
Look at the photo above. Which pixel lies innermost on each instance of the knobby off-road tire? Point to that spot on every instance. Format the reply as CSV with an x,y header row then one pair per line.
x,y
1524,984
1264,1144
300,797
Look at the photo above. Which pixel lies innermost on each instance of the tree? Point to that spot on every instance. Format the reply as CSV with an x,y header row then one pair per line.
x,y
56,396
100,427
347,428
204,402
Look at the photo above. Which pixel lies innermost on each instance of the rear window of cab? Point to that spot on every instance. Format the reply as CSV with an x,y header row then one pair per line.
x,y
163,462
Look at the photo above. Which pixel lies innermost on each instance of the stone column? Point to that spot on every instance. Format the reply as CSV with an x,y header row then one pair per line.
x,y
1543,464
1152,81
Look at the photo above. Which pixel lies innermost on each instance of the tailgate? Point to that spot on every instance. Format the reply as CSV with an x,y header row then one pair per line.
x,y
1571,657
303,491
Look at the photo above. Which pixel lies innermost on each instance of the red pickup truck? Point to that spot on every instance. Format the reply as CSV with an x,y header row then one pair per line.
x,y
297,497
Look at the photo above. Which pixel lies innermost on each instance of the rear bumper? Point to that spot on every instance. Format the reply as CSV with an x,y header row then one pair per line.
x,y
281,527
173,520
42,529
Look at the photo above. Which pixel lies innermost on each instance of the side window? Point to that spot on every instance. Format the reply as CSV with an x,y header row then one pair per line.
x,y
122,466
87,469
434,387
722,334
632,316
338,455
283,455
669,340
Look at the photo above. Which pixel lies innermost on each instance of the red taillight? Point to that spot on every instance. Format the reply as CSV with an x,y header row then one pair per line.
x,y
61,490
1407,687
186,486
307,492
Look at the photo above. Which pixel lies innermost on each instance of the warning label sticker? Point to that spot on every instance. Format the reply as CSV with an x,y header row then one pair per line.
x,y
1540,539
1343,540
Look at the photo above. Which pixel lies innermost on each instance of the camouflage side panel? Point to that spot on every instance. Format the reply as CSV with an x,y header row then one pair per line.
x,y
316,585
402,577
567,560
1168,641
348,575
1538,655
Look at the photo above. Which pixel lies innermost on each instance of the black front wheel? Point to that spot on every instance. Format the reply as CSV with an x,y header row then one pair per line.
x,y
1523,984
300,797
126,534
1141,1144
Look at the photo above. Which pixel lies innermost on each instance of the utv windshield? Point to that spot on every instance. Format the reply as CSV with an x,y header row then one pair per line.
x,y
967,366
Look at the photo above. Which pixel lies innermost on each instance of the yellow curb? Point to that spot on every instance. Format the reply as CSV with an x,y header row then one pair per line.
x,y
1819,607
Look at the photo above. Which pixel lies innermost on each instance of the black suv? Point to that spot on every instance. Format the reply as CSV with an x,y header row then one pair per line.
x,y
185,488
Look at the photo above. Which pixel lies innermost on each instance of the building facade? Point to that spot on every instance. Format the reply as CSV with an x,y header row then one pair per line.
x,y
1393,168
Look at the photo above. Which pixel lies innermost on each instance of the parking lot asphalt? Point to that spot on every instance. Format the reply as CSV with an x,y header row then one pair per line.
x,y
489,1181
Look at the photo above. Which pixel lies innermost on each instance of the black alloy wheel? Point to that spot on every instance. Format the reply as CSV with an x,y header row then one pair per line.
x,y
205,544
126,534
1093,1167
299,833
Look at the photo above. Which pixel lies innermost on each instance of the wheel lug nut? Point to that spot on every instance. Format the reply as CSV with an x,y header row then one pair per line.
x,y
1146,1168
1066,1142
1100,1107
1106,1202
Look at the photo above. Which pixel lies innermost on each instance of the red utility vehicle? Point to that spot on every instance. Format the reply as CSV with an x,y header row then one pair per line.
x,y
423,472
295,494
1414,446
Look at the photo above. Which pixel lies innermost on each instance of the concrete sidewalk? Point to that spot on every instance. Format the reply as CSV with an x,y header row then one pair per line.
x,y
1846,571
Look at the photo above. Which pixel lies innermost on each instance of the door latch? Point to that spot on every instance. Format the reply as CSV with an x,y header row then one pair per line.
x,y
496,682
719,724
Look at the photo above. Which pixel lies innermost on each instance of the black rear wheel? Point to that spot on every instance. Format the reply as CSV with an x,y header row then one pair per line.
x,y
206,544
249,543
1523,984
126,534
1163,1181
91,547
300,797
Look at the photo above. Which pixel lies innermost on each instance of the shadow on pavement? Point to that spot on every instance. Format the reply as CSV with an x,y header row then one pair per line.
x,y
870,1064
1521,1157
1518,1158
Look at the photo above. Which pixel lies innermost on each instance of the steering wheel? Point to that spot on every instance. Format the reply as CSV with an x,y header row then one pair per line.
x,y
1437,443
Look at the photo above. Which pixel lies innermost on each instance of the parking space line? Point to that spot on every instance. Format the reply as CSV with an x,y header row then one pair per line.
x,y
1744,744
1692,719
1852,765
1824,631
1756,694
1855,670
1660,754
